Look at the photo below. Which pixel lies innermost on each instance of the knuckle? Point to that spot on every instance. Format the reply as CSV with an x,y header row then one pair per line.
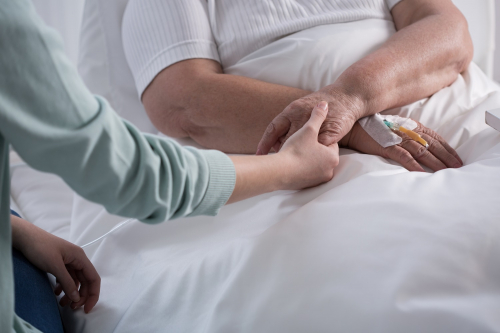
x,y
328,170
405,141
330,174
335,162
271,128
405,157
333,129
327,175
421,152
80,252
432,142
301,103
308,128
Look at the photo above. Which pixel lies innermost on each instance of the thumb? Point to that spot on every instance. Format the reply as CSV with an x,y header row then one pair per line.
x,y
67,283
318,116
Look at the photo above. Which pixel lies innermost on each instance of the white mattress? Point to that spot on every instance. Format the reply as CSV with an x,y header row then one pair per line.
x,y
377,249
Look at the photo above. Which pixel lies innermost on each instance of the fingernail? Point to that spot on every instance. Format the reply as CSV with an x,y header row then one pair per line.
x,y
73,306
323,105
75,296
259,152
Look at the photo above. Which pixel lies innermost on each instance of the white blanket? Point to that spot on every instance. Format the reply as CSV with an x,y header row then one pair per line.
x,y
377,249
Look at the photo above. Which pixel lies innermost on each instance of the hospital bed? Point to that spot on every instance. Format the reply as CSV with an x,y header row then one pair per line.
x,y
377,249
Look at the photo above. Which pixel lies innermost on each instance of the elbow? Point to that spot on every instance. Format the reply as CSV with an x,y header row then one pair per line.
x,y
463,45
172,109
171,120
468,55
177,121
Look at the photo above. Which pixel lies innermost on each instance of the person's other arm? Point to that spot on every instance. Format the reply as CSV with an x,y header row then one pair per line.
x,y
75,274
195,98
431,47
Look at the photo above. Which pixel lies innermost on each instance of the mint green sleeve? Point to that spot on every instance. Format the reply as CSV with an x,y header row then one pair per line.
x,y
56,125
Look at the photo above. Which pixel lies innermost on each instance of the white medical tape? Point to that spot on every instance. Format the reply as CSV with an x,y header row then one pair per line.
x,y
375,127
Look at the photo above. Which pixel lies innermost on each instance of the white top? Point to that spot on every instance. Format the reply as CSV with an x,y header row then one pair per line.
x,y
159,33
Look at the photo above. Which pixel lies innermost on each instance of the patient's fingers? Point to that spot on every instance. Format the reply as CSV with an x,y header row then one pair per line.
x,y
425,131
276,129
402,156
422,154
438,148
314,123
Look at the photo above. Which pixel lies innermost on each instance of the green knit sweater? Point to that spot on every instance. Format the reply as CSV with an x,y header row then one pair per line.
x,y
56,125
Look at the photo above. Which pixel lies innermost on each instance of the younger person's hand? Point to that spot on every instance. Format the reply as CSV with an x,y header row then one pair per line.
x,y
302,162
409,153
343,111
75,274
312,161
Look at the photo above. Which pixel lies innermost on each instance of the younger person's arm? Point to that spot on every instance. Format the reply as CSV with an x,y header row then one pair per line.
x,y
75,274
302,162
57,126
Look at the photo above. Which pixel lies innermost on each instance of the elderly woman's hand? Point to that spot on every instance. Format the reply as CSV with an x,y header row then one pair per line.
x,y
344,111
408,153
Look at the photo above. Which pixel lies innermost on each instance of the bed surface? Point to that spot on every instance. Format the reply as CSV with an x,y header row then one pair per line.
x,y
377,249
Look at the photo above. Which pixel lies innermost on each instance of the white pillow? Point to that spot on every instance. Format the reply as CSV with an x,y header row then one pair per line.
x,y
314,58
102,62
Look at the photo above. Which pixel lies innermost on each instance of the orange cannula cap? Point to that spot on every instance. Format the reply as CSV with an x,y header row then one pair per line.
x,y
415,136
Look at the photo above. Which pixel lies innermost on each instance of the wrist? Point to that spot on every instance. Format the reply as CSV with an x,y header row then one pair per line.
x,y
259,174
288,172
342,97
21,233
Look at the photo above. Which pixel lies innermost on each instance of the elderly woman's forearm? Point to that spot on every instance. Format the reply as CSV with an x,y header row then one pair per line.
x,y
423,57
226,112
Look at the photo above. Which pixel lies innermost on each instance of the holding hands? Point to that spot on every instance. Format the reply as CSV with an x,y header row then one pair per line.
x,y
340,125
313,162
301,162
343,112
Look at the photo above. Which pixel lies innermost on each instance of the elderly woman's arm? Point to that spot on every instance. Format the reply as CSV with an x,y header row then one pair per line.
x,y
432,46
194,98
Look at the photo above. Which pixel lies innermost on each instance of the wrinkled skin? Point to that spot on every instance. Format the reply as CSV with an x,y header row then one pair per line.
x,y
341,126
408,153
342,115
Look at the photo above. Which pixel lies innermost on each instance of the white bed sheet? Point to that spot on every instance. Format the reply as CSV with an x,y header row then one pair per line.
x,y
41,198
377,249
